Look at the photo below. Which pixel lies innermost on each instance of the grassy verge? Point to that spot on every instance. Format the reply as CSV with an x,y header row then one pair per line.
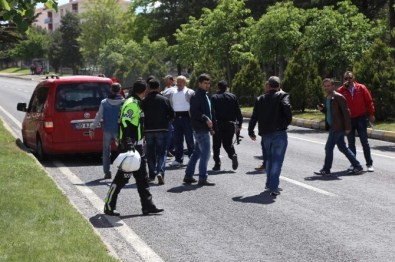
x,y
16,70
318,116
37,221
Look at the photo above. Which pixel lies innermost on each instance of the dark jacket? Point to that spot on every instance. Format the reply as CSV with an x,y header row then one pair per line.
x,y
226,107
341,119
157,112
272,111
200,111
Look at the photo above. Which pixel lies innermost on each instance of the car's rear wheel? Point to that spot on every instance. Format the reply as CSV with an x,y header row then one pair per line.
x,y
39,150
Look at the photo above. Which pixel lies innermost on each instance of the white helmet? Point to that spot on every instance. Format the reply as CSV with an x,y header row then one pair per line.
x,y
128,162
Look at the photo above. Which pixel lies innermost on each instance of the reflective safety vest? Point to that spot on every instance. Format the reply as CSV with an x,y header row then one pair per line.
x,y
130,114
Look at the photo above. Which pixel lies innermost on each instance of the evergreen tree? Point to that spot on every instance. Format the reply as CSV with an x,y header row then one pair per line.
x,y
302,82
55,50
71,30
376,70
248,83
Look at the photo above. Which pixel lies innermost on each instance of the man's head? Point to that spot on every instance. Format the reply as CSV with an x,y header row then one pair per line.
x,y
204,82
153,84
181,82
169,81
139,88
348,78
274,82
222,85
328,85
115,88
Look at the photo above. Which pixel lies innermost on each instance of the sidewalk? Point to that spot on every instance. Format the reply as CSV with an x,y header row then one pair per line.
x,y
372,133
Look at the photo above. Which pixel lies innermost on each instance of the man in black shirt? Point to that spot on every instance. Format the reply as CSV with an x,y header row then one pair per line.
x,y
229,119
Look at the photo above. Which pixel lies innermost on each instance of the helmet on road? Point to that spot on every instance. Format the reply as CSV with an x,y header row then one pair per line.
x,y
128,162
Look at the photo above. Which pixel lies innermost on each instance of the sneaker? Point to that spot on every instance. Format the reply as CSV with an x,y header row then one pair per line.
x,y
260,168
217,167
161,180
189,180
206,183
235,163
357,170
323,172
370,168
175,163
107,175
350,168
278,189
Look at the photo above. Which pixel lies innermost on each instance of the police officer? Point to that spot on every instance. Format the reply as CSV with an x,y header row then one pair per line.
x,y
229,119
130,137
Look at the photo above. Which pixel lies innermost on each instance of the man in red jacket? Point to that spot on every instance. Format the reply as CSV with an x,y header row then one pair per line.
x,y
361,107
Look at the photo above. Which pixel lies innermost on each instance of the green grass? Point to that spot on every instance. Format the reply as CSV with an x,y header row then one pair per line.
x,y
16,70
37,222
318,116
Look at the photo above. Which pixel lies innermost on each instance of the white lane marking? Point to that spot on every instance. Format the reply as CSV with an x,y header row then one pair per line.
x,y
124,230
13,119
145,252
315,189
321,143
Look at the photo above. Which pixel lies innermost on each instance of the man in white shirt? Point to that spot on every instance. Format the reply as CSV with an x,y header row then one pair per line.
x,y
179,98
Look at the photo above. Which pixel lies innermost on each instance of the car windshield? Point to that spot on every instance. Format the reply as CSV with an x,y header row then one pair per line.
x,y
80,96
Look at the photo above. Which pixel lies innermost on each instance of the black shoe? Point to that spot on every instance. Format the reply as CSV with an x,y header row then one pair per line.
x,y
275,193
357,170
161,180
235,163
111,212
217,167
189,180
107,175
152,211
206,183
268,189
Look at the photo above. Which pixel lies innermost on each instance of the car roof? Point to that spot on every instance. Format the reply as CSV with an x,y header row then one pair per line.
x,y
77,79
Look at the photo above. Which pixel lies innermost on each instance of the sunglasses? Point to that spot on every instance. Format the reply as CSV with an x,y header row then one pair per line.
x,y
347,78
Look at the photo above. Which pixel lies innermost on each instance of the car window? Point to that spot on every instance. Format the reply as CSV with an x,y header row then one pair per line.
x,y
38,100
80,96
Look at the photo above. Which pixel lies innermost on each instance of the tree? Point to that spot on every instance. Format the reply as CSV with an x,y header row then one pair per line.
x,y
55,50
99,27
34,46
277,34
376,70
71,30
248,83
302,81
338,37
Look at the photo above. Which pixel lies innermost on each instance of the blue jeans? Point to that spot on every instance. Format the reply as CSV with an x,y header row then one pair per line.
x,y
170,138
182,127
108,137
156,152
275,145
202,151
360,125
263,153
337,138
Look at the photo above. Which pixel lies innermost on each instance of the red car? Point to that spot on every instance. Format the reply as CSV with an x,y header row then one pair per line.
x,y
60,113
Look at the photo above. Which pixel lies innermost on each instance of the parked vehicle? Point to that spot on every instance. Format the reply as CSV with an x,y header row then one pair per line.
x,y
60,113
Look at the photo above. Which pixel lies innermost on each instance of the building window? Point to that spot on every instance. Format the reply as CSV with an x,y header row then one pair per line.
x,y
74,8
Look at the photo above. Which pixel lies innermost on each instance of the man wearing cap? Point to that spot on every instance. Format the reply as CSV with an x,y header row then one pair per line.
x,y
109,112
229,118
272,111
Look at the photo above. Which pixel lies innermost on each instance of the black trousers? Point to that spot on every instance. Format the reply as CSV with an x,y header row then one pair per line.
x,y
223,135
122,178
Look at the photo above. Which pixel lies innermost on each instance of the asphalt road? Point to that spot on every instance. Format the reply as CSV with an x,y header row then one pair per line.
x,y
336,218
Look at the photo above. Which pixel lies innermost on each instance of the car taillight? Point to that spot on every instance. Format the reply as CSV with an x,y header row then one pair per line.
x,y
48,126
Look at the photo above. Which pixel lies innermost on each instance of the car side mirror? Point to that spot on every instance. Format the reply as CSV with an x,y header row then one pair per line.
x,y
21,107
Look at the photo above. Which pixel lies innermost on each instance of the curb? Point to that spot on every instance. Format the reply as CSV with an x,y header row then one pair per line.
x,y
383,135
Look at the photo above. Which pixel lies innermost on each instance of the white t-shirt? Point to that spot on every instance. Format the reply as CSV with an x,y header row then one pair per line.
x,y
179,101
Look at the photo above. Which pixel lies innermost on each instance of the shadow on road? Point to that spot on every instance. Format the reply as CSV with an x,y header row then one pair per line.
x,y
332,176
221,172
384,148
183,188
263,198
102,221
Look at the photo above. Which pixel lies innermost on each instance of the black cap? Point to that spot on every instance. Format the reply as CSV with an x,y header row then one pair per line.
x,y
115,87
